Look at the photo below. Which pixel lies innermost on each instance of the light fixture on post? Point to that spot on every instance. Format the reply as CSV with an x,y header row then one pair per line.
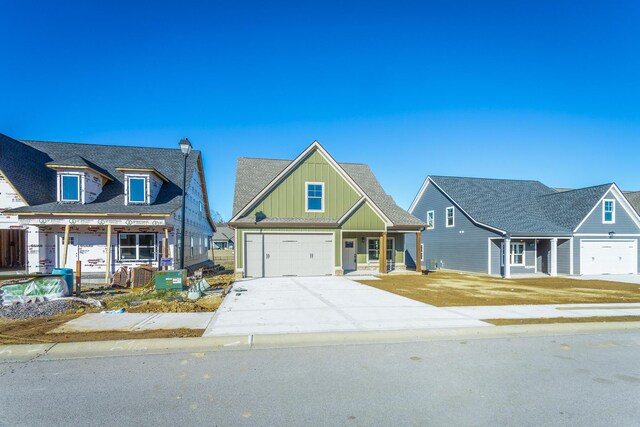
x,y
185,147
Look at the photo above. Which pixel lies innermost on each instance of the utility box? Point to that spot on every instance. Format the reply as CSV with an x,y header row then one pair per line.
x,y
171,280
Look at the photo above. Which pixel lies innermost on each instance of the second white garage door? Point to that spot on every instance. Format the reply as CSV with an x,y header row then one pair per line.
x,y
608,257
275,255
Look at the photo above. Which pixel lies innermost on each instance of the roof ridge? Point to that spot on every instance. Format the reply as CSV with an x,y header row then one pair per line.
x,y
97,145
289,160
488,179
577,189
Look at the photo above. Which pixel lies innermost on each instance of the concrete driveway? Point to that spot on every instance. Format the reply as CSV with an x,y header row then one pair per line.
x,y
324,304
625,278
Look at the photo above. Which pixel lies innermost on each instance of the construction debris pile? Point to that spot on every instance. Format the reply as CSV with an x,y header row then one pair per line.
x,y
43,296
32,289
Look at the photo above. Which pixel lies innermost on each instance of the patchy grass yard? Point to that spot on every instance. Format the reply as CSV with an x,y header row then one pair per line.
x,y
449,289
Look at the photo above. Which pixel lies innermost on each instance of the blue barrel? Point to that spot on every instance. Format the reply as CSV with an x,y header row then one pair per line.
x,y
68,276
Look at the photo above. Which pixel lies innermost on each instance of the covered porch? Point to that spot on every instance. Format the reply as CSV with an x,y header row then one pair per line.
x,y
96,248
374,251
530,256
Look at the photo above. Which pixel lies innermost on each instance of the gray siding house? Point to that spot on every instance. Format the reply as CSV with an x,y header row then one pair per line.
x,y
505,227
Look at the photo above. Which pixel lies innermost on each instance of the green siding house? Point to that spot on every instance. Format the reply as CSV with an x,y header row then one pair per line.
x,y
312,216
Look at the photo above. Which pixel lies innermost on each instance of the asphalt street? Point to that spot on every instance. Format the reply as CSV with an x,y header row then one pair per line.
x,y
561,380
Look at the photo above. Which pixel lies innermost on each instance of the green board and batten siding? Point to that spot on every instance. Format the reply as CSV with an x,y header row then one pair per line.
x,y
287,200
364,219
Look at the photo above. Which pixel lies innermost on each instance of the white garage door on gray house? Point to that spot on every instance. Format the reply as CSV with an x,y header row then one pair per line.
x,y
511,227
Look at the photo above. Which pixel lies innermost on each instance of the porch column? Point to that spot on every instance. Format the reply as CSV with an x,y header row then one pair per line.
x,y
553,271
107,273
383,253
418,251
66,246
507,258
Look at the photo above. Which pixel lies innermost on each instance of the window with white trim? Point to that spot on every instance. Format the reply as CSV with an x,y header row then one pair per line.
x,y
421,251
609,211
430,219
451,217
517,253
137,189
69,188
373,249
314,197
191,251
137,246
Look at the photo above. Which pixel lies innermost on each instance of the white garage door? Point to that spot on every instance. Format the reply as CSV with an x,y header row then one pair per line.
x,y
608,257
275,255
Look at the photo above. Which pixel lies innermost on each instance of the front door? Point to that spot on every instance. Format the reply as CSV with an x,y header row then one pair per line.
x,y
349,254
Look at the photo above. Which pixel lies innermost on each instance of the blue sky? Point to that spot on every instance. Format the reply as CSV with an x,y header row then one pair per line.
x,y
546,90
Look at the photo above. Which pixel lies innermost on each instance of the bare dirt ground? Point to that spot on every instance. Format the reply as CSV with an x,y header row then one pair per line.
x,y
138,300
34,331
503,322
450,289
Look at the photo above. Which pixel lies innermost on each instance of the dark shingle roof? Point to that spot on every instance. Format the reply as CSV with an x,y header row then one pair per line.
x,y
253,175
24,164
634,199
76,160
521,207
223,233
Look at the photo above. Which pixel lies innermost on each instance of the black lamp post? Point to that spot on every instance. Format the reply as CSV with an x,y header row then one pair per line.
x,y
185,147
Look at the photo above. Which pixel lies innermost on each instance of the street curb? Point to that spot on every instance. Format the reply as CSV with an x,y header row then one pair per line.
x,y
99,349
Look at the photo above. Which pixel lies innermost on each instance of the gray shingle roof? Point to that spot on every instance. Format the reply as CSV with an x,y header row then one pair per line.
x,y
521,207
224,233
24,164
76,160
253,175
634,199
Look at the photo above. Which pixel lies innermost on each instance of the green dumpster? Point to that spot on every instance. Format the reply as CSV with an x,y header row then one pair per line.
x,y
171,279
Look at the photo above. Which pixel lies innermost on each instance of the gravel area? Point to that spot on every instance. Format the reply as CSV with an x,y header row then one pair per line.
x,y
35,309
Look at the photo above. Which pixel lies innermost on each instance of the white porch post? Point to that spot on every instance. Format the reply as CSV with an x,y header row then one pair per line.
x,y
507,258
554,257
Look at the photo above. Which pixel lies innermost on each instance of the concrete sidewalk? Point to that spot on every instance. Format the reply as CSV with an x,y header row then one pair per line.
x,y
145,347
547,311
95,322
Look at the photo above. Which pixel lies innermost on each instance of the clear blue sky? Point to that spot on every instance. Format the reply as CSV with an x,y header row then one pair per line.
x,y
546,90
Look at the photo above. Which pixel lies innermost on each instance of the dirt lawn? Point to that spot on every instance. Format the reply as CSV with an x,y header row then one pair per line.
x,y
449,289
34,331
